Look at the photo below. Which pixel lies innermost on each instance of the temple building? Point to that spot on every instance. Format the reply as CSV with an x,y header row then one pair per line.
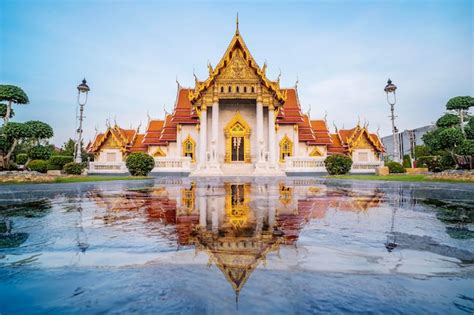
x,y
236,122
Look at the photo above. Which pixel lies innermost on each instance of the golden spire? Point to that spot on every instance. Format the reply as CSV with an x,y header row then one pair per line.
x,y
237,25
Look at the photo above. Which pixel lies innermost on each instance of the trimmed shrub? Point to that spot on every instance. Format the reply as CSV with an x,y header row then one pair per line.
x,y
338,164
406,161
447,162
424,161
73,168
395,167
140,164
21,158
39,152
38,166
57,162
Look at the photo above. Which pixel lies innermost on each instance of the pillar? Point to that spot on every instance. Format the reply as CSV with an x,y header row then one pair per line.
x,y
215,129
203,136
271,135
296,144
260,131
179,141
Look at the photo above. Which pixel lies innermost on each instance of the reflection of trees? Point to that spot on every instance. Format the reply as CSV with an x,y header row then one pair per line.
x,y
30,209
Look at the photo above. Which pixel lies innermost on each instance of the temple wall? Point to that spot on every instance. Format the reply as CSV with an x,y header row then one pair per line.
x,y
109,155
359,155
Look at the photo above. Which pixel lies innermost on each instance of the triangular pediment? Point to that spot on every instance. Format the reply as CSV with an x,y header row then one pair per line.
x,y
237,65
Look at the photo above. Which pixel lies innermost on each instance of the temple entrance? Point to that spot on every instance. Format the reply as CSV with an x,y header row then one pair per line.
x,y
237,133
238,149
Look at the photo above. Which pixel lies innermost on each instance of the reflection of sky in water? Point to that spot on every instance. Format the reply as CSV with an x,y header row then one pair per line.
x,y
178,241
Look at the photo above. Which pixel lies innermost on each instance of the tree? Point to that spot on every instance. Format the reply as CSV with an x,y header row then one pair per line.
x,y
12,95
450,138
3,111
470,129
447,121
338,164
460,104
68,147
39,130
13,133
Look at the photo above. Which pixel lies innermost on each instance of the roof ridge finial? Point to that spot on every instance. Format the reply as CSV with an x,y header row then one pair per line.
x,y
358,120
335,127
115,121
326,116
237,25
378,129
296,83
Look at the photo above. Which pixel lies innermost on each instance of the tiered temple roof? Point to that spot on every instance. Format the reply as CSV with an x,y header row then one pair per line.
x,y
344,140
128,140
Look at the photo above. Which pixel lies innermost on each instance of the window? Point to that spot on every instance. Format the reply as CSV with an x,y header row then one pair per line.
x,y
110,157
222,89
253,89
286,148
237,89
245,89
189,148
230,89
363,156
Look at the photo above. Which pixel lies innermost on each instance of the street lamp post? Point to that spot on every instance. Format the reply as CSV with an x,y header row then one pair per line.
x,y
82,91
390,89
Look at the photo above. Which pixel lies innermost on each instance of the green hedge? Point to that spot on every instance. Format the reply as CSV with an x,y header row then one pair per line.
x,y
21,158
57,162
38,166
39,152
338,164
406,161
73,168
395,167
140,164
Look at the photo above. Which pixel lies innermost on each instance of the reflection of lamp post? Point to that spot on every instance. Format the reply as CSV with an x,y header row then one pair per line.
x,y
390,89
82,91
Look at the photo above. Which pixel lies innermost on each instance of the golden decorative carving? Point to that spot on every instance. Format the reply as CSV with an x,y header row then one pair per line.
x,y
286,148
237,128
189,148
316,152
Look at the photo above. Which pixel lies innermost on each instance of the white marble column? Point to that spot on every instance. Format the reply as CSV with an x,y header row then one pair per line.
x,y
296,143
260,132
202,211
179,140
203,137
215,130
271,135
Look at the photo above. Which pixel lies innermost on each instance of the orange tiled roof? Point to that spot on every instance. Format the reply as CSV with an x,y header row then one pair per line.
x,y
321,132
153,131
290,112
138,145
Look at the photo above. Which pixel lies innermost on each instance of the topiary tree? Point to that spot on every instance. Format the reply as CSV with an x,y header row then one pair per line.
x,y
450,138
57,162
3,111
11,134
448,120
461,105
38,166
140,164
39,152
469,129
338,164
39,130
395,167
466,148
12,95
21,158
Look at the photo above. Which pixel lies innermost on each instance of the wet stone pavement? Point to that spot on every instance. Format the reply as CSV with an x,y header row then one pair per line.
x,y
252,246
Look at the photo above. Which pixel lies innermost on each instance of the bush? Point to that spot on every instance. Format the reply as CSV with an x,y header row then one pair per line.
x,y
73,168
447,162
406,161
395,167
424,161
21,158
39,152
57,162
38,166
338,164
140,164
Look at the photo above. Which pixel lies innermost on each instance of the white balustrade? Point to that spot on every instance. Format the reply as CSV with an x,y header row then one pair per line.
x,y
304,165
167,164
107,167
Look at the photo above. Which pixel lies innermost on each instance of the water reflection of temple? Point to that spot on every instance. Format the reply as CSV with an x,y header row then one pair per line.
x,y
235,224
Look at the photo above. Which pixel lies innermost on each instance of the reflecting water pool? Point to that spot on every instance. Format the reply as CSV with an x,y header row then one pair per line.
x,y
175,245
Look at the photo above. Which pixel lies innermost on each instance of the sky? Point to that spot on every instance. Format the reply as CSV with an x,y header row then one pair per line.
x,y
132,53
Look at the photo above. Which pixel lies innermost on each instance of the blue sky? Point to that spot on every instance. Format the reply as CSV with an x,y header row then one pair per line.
x,y
131,53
